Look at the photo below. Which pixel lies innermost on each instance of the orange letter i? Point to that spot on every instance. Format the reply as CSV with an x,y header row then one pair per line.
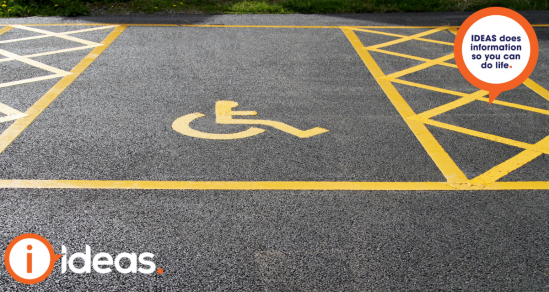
x,y
29,260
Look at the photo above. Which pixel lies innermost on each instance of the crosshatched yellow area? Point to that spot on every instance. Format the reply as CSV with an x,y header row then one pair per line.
x,y
23,120
42,33
417,121
456,180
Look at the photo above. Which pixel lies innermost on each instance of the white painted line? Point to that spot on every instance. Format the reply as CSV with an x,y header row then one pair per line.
x,y
51,53
61,33
12,114
54,34
7,84
34,63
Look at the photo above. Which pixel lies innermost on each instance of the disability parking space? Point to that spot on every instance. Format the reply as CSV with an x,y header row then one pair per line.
x,y
115,121
292,107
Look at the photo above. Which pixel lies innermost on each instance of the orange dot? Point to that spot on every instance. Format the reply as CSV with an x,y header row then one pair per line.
x,y
510,66
160,271
29,247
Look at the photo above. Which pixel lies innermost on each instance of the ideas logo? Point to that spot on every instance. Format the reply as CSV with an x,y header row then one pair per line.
x,y
30,259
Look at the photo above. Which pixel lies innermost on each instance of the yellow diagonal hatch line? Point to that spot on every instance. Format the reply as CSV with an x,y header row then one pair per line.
x,y
403,39
537,88
510,165
5,29
419,67
443,161
9,135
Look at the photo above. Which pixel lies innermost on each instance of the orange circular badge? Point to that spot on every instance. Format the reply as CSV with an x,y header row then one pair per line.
x,y
496,49
29,258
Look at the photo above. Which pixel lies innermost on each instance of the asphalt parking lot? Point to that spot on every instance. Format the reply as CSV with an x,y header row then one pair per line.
x,y
276,152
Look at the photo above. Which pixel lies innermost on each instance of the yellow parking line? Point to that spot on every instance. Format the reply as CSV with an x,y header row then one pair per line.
x,y
409,57
419,67
453,30
435,41
5,29
266,185
515,105
7,137
446,165
407,38
534,147
452,105
510,165
505,168
523,185
397,54
224,185
380,32
432,88
402,36
537,88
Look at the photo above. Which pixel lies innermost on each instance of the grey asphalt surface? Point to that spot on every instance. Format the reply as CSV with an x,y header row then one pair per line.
x,y
114,123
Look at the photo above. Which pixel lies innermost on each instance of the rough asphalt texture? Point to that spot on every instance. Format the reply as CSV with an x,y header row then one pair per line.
x,y
114,123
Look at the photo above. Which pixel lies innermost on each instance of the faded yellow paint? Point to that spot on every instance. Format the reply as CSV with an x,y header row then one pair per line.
x,y
9,135
5,29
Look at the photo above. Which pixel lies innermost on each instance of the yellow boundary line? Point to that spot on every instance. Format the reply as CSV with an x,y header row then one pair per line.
x,y
9,135
266,185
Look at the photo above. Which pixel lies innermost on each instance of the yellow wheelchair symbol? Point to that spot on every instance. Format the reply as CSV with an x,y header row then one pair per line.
x,y
224,115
